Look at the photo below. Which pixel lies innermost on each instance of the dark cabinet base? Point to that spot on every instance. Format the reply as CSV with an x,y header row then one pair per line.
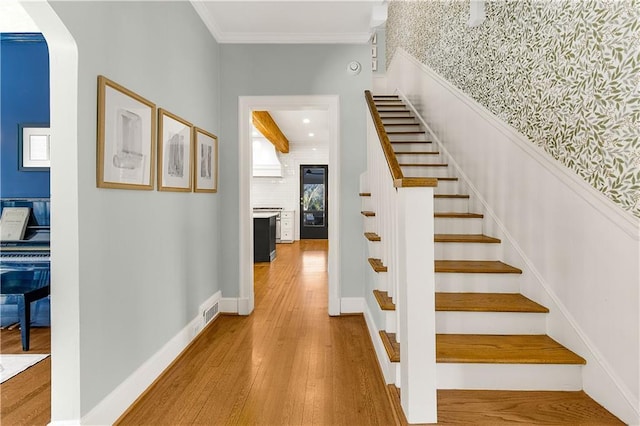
x,y
264,239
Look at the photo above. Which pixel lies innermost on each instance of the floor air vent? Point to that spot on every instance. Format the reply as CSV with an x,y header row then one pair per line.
x,y
210,313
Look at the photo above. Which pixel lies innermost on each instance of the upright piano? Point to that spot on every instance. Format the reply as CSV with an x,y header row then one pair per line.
x,y
25,265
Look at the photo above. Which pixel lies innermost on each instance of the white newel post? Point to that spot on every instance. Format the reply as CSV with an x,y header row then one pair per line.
x,y
417,304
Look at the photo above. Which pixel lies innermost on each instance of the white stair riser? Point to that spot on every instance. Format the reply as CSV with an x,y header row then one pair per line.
x,y
460,205
451,322
426,171
397,127
407,137
399,120
447,187
450,225
369,224
509,376
419,158
382,280
477,283
375,249
413,146
467,251
390,321
391,106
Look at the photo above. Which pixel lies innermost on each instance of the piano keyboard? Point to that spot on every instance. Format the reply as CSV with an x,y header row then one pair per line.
x,y
25,257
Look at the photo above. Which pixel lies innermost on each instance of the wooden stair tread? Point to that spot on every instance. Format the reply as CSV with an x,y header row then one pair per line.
x,y
384,117
463,196
503,349
465,238
504,407
377,265
385,96
457,215
499,407
372,236
423,165
365,194
487,302
405,141
417,153
401,124
390,345
402,109
368,213
475,267
406,132
384,301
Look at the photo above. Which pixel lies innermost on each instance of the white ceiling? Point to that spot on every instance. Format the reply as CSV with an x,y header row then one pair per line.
x,y
291,21
297,132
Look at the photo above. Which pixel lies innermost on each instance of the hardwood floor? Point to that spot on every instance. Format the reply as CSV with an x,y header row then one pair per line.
x,y
288,363
26,397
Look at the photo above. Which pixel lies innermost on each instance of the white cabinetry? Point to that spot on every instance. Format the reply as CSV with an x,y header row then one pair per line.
x,y
286,226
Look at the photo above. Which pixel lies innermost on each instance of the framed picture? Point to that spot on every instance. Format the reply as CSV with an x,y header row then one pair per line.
x,y
126,138
34,147
175,144
205,177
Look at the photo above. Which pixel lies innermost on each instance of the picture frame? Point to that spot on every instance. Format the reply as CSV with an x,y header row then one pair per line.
x,y
175,152
126,138
205,159
34,147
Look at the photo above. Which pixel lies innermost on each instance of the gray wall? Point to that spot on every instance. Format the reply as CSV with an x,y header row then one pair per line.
x,y
287,70
147,259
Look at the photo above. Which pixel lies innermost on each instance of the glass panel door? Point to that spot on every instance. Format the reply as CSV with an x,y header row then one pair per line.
x,y
313,202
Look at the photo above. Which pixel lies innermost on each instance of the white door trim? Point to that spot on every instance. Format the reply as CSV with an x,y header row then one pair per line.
x,y
247,104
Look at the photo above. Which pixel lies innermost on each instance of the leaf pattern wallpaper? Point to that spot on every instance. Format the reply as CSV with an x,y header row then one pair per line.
x,y
566,74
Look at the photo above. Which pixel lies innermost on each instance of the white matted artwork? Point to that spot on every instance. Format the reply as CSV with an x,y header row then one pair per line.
x,y
126,138
175,143
35,147
205,178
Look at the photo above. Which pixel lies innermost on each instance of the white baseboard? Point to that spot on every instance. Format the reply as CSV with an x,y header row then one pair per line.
x,y
123,396
352,305
229,305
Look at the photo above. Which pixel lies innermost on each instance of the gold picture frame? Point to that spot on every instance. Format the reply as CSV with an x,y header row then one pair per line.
x,y
175,152
126,138
205,159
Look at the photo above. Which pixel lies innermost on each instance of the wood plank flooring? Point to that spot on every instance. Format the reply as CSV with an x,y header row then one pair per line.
x,y
288,363
26,397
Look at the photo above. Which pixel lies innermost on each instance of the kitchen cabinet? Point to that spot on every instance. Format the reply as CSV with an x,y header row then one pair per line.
x,y
264,237
287,226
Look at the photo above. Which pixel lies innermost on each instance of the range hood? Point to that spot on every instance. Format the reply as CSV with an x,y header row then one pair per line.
x,y
265,159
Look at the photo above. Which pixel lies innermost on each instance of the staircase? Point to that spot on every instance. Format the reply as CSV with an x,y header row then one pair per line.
x,y
489,337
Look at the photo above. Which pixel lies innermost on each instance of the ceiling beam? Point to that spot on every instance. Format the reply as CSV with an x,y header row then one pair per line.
x,y
263,121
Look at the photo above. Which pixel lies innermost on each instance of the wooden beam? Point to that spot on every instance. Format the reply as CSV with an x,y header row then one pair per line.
x,y
264,123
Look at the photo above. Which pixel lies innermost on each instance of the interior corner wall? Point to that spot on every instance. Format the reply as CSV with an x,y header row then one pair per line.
x,y
148,259
289,70
24,91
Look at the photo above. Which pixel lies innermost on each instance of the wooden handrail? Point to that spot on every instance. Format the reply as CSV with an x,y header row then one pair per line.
x,y
399,181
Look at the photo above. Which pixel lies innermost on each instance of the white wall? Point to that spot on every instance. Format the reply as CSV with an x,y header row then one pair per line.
x,y
285,191
579,251
147,259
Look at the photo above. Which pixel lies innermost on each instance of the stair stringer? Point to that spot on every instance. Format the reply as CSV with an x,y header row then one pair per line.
x,y
376,318
560,324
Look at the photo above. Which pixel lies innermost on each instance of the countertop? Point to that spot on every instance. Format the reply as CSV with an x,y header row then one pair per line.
x,y
264,215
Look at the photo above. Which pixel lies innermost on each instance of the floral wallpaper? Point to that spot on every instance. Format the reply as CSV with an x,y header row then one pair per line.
x,y
565,73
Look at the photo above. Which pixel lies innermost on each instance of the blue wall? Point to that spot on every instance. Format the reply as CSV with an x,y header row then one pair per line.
x,y
24,98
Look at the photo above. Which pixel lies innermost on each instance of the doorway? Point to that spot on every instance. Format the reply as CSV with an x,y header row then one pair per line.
x,y
247,104
314,197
